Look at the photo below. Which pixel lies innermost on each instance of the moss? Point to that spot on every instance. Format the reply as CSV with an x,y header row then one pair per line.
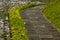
x,y
18,29
52,12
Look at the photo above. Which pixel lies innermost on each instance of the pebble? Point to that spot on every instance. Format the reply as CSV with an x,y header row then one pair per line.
x,y
24,22
6,18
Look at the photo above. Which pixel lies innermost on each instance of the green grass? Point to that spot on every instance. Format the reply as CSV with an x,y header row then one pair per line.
x,y
18,30
52,12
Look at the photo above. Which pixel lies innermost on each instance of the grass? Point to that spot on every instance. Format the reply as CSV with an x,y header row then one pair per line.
x,y
52,12
18,30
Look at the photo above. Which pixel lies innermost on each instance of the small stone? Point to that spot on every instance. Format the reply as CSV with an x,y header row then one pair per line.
x,y
7,29
1,3
1,25
1,38
8,35
1,22
6,26
24,22
1,31
6,18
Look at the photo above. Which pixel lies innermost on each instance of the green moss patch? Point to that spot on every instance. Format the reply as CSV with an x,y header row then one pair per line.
x,y
52,12
18,29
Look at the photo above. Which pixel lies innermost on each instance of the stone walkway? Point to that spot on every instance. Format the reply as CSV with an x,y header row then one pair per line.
x,y
5,6
38,28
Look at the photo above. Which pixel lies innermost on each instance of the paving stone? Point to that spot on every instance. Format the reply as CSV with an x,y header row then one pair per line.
x,y
35,38
46,36
47,39
38,27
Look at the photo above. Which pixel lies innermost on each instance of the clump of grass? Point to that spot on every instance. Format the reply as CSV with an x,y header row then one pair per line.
x,y
18,29
52,12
